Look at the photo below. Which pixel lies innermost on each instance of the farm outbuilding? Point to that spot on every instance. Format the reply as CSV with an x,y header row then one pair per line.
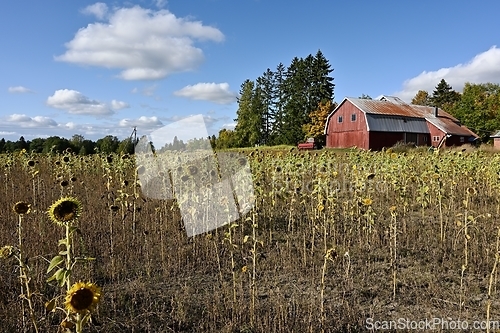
x,y
496,140
375,124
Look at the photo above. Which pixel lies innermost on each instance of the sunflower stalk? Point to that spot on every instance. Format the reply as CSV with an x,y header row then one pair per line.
x,y
330,255
491,281
21,208
82,297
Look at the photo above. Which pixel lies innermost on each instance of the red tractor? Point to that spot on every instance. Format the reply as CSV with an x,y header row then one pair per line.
x,y
308,145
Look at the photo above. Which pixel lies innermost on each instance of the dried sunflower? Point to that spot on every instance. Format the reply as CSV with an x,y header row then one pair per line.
x,y
82,297
65,210
21,208
6,252
193,170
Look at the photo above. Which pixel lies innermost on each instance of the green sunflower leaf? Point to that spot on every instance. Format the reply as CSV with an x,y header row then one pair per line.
x,y
56,261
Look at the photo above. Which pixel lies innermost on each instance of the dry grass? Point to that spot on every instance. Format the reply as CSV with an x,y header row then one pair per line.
x,y
277,279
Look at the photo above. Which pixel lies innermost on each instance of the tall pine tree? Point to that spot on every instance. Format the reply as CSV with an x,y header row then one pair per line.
x,y
266,87
278,104
444,96
275,108
296,87
247,130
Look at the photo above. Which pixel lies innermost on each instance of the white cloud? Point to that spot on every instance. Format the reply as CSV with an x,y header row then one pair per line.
x,y
213,92
143,43
143,122
160,3
70,125
23,120
74,102
118,105
146,91
98,9
229,126
20,90
483,68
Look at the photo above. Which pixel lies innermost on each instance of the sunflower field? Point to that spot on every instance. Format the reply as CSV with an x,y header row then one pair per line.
x,y
331,240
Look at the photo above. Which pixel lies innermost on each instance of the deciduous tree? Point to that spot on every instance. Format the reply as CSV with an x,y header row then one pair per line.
x,y
315,129
421,98
479,108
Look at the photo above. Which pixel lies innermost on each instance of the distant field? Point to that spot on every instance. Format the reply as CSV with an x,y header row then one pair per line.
x,y
334,238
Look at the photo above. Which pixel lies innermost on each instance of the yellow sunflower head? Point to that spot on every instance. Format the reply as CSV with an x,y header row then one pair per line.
x,y
83,297
65,210
21,208
367,201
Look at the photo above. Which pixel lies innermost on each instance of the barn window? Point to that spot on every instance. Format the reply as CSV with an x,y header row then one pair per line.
x,y
340,119
435,138
462,139
353,117
425,138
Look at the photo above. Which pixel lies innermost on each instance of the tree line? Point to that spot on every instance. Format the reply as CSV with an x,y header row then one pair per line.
x,y
108,144
283,106
78,144
477,107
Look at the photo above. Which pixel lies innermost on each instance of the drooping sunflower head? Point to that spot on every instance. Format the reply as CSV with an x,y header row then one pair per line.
x,y
21,208
193,170
65,210
83,297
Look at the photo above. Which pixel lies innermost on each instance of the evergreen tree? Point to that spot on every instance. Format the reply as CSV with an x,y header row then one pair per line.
x,y
278,103
444,96
296,102
323,86
275,108
213,141
247,130
22,144
266,88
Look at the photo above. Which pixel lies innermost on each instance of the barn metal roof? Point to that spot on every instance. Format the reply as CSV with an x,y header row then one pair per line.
x,y
385,107
444,121
428,111
383,123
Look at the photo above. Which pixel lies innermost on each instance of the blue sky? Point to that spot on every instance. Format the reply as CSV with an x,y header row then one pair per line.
x,y
99,68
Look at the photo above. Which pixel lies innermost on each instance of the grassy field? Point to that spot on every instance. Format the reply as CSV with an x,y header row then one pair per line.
x,y
334,240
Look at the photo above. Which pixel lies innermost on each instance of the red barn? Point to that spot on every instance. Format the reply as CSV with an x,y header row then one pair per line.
x,y
374,124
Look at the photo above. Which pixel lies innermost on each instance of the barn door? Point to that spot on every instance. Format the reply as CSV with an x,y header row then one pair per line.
x,y
411,138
